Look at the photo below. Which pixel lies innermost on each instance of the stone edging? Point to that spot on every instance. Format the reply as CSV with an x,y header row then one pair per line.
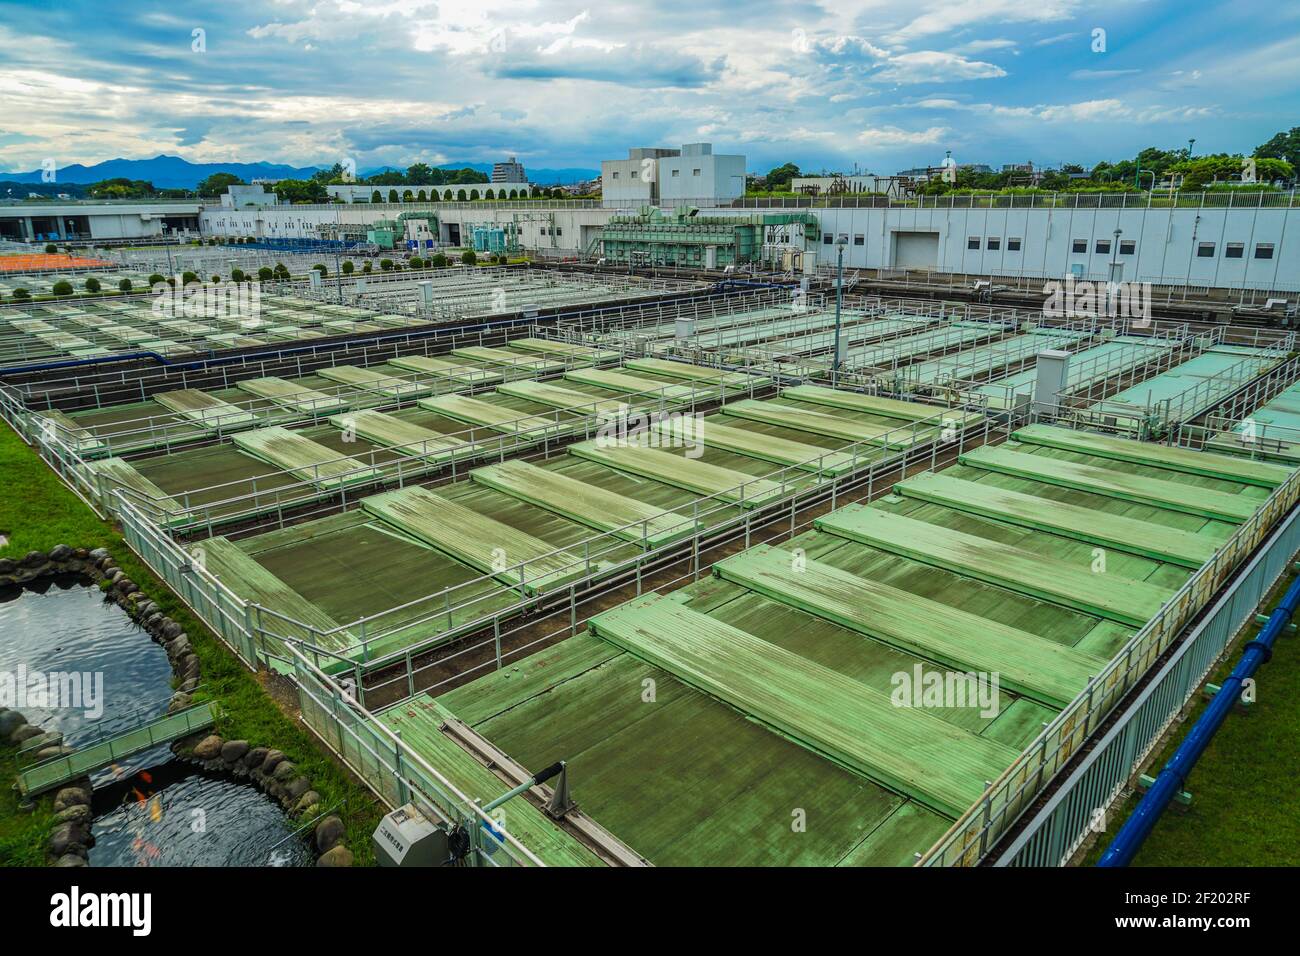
x,y
70,841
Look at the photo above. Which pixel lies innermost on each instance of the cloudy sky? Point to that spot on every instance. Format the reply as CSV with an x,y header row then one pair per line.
x,y
882,83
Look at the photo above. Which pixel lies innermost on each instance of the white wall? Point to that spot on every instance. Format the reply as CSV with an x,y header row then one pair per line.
x,y
1164,238
721,178
1165,242
627,182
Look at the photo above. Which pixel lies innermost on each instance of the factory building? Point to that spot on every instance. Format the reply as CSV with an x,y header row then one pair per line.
x,y
651,176
47,222
1252,246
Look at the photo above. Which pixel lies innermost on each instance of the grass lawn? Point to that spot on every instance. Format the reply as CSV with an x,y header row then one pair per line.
x,y
37,512
1245,808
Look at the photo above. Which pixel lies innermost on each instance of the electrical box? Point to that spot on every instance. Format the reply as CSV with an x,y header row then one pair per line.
x,y
406,837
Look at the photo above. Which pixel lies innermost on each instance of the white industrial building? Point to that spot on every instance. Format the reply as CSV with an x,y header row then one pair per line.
x,y
652,175
45,221
237,197
1246,246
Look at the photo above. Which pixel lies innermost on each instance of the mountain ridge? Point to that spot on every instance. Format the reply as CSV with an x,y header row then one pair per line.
x,y
173,172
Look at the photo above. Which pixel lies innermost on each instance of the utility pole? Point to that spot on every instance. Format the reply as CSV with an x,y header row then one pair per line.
x,y
839,304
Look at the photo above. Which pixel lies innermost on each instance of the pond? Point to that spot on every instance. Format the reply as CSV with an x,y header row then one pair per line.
x,y
150,809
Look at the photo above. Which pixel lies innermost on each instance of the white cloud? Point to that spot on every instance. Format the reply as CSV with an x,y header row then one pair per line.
x,y
931,66
892,136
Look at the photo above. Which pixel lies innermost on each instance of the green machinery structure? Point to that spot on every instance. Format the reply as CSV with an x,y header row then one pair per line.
x,y
685,238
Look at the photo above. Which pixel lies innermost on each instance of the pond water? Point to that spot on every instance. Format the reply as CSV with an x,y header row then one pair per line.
x,y
150,810
177,815
64,626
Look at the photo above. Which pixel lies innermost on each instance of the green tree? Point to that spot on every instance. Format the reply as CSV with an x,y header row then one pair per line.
x,y
392,195
238,275
20,294
778,178
438,261
51,248
154,279
1284,146
468,257
62,287
92,284
217,183
321,268
386,265
120,188
376,196
348,267
266,273
124,285
300,191
420,174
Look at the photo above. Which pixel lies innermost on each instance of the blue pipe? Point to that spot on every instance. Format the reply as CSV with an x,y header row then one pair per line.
x,y
1173,778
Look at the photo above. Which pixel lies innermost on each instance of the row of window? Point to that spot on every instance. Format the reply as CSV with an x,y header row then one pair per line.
x,y
1204,250
1127,247
1234,250
636,173
993,243
559,231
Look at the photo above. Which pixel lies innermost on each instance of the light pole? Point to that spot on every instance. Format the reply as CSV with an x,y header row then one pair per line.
x,y
840,243
1113,285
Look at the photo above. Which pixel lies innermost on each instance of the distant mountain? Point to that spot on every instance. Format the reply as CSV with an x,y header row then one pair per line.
x,y
172,172
165,172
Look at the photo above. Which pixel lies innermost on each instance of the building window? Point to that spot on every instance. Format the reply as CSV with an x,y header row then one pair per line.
x,y
1013,245
1205,250
1080,245
634,174
1103,247
1263,250
973,242
827,239
859,240
676,173
1127,247
1234,250
616,175
559,230
993,243
695,172
544,230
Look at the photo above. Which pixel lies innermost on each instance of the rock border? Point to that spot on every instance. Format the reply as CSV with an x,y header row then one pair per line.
x,y
70,841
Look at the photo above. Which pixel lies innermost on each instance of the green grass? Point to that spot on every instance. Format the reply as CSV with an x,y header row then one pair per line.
x,y
22,832
1245,808
38,512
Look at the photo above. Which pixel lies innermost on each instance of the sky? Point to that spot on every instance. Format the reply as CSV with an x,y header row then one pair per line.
x,y
883,84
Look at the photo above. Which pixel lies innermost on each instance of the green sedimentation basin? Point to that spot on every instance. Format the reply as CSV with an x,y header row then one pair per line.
x,y
514,531
266,467
832,700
